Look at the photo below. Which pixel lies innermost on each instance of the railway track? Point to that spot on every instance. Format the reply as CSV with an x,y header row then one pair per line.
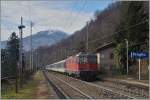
x,y
63,89
127,89
91,90
59,93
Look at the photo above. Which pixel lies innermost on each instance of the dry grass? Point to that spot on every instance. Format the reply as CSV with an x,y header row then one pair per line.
x,y
33,89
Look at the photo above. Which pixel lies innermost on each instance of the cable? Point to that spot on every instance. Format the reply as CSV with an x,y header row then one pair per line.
x,y
70,25
70,14
142,22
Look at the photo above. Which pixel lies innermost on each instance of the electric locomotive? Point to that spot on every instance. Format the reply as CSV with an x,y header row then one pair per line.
x,y
82,65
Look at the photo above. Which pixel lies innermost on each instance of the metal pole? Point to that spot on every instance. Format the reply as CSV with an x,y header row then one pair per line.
x,y
20,53
127,53
37,59
65,53
19,67
139,69
87,38
127,59
31,59
21,59
16,82
30,55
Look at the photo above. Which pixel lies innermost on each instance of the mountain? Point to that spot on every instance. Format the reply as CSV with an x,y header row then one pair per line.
x,y
42,38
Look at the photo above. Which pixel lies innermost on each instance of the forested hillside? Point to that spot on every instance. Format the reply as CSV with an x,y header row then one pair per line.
x,y
104,28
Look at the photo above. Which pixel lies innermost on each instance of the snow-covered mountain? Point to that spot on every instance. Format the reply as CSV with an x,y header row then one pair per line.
x,y
42,38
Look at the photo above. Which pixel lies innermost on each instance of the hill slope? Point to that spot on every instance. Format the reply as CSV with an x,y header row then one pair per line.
x,y
42,38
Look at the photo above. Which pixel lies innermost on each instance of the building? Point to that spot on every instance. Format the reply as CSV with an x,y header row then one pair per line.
x,y
106,60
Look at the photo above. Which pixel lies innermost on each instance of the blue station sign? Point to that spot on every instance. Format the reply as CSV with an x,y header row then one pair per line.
x,y
139,55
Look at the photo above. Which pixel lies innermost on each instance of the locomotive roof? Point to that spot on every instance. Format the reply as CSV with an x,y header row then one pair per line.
x,y
84,54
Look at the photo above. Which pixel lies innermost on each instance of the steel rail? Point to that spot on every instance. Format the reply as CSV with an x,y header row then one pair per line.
x,y
58,91
104,88
76,89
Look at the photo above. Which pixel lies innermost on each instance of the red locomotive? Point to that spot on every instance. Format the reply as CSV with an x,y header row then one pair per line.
x,y
82,65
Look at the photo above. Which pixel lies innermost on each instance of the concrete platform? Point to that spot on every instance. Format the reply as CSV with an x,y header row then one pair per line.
x,y
129,81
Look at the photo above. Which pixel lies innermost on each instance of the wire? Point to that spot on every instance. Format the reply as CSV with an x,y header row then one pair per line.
x,y
132,26
74,20
142,22
70,14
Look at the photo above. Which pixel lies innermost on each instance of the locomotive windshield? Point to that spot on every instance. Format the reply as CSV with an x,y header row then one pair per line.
x,y
83,60
92,59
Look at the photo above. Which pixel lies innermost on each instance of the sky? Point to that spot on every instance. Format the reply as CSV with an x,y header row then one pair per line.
x,y
65,15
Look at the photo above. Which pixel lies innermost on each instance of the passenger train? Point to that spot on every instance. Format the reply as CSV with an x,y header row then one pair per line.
x,y
82,65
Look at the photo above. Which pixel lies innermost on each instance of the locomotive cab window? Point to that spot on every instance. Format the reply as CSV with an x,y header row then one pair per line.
x,y
83,60
92,59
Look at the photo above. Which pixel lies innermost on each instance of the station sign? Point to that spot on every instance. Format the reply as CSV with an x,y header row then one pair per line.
x,y
139,55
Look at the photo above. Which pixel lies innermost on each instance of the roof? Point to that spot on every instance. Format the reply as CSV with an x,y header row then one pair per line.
x,y
81,53
110,44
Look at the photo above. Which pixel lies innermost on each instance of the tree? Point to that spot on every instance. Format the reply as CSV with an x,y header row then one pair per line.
x,y
134,28
13,53
13,56
4,63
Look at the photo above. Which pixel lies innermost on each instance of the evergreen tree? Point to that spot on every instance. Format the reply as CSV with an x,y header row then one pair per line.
x,y
4,63
13,52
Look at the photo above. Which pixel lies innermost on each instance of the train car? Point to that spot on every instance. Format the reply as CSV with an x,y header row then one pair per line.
x,y
58,66
82,65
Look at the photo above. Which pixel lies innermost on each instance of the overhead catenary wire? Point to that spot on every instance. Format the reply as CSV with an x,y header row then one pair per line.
x,y
71,12
132,26
79,12
31,55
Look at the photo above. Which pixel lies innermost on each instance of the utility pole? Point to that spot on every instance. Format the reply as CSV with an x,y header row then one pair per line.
x,y
20,53
16,82
87,37
65,53
127,46
36,59
31,57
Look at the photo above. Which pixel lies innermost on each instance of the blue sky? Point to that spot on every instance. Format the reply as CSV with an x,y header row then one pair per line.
x,y
65,15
